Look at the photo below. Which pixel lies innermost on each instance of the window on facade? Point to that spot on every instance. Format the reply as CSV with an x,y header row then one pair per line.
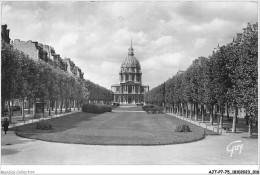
x,y
126,77
117,88
132,78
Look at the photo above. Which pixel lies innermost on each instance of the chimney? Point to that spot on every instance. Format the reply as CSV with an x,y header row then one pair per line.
x,y
239,37
244,31
255,26
16,40
249,28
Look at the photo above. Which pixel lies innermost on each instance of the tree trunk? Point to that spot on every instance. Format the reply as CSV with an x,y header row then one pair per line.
x,y
236,115
187,114
70,105
66,105
49,107
202,114
43,107
196,111
234,121
178,109
74,104
61,104
52,105
12,109
221,117
21,103
250,131
34,106
247,118
228,112
191,111
9,109
23,108
211,114
56,107
182,111
29,103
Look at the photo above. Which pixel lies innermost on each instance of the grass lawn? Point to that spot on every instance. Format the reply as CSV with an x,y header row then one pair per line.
x,y
114,128
127,108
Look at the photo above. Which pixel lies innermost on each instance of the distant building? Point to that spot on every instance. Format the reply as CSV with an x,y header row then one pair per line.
x,y
50,54
5,34
130,90
248,30
73,69
38,51
199,61
180,72
59,63
31,48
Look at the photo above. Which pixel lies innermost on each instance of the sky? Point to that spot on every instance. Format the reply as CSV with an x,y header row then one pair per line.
x,y
167,36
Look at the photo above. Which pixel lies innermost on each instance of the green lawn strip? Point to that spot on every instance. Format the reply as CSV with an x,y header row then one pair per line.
x,y
114,129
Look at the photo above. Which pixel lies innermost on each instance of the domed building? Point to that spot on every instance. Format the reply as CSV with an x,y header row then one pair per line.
x,y
130,90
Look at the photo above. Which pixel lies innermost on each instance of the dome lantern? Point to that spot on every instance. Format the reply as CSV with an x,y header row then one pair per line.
x,y
131,61
131,50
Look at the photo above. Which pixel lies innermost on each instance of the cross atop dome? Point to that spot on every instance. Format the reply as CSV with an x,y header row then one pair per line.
x,y
131,50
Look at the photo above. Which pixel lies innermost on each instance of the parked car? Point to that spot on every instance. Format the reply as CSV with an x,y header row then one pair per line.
x,y
139,104
116,104
16,108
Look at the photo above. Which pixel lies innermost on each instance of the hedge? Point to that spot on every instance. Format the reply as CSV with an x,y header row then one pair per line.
x,y
94,108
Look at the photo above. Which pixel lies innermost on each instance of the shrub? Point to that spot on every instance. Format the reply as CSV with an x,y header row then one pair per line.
x,y
139,104
147,106
158,109
182,128
44,125
153,109
148,109
94,108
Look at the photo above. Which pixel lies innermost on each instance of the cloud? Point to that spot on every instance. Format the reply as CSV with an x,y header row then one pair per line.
x,y
199,42
167,36
162,61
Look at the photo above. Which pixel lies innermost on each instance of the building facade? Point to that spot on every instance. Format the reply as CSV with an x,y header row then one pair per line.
x,y
130,89
73,69
39,51
5,34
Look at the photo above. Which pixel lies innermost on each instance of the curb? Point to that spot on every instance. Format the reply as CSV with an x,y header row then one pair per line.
x,y
103,144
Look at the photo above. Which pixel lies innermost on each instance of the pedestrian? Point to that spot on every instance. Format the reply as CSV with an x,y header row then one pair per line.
x,y
5,125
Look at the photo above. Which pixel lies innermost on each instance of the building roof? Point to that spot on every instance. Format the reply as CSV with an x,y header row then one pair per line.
x,y
114,85
131,60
